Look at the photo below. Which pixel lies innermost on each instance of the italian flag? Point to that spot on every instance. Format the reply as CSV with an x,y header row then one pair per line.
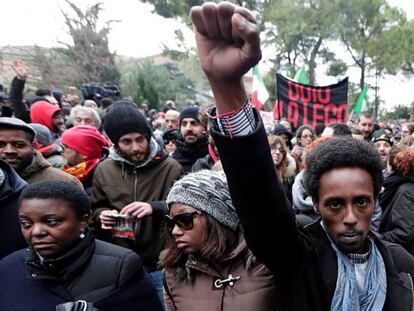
x,y
259,92
360,104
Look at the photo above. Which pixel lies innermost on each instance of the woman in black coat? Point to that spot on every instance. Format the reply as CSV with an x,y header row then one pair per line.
x,y
397,199
65,268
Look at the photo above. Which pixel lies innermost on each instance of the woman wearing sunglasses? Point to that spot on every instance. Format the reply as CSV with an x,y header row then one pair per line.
x,y
207,263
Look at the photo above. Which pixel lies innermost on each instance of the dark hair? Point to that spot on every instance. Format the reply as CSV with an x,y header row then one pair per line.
x,y
219,242
365,114
300,130
43,92
339,153
340,129
106,102
356,131
319,128
76,197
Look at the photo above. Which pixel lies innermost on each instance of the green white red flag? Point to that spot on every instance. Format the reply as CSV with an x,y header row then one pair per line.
x,y
259,92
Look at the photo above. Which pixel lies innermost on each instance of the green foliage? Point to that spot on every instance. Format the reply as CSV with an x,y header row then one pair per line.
x,y
372,35
174,8
89,50
397,113
155,84
299,31
337,68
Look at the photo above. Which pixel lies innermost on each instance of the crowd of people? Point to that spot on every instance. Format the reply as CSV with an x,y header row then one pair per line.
x,y
112,205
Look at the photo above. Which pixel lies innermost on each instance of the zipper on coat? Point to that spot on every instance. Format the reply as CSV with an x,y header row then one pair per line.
x,y
135,185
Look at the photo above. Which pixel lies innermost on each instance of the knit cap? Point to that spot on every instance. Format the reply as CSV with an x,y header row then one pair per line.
x,y
123,117
190,112
382,135
86,140
43,135
281,129
208,192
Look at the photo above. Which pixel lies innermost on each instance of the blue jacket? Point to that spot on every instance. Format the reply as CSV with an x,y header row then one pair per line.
x,y
10,234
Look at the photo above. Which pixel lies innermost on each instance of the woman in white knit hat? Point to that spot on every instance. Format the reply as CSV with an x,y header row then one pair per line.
x,y
207,263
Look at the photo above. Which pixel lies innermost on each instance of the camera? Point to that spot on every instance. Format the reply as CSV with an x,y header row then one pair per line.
x,y
98,90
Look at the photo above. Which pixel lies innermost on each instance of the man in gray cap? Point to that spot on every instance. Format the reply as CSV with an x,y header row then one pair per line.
x,y
17,149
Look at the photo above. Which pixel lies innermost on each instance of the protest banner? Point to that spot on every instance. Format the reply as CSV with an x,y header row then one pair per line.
x,y
312,105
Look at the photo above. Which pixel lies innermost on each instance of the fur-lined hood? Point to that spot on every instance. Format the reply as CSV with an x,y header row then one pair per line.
x,y
292,167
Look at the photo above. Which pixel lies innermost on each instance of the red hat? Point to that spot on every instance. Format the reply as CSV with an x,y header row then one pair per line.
x,y
86,140
42,112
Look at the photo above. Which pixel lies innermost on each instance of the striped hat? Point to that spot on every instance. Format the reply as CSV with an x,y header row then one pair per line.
x,y
208,192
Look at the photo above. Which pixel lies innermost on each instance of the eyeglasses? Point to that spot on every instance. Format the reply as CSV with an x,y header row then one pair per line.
x,y
275,150
183,221
307,136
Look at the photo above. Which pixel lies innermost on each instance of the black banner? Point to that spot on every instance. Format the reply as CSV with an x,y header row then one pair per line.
x,y
305,104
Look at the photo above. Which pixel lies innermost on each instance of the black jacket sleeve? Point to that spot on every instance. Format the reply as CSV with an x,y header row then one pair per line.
x,y
400,228
266,217
16,100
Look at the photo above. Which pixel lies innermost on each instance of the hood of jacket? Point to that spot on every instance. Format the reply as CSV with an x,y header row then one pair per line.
x,y
291,167
300,197
156,155
38,163
42,112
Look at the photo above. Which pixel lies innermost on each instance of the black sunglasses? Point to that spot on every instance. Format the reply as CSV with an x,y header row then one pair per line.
x,y
183,221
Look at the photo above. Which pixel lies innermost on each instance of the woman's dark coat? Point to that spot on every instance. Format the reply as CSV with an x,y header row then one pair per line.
x,y
109,276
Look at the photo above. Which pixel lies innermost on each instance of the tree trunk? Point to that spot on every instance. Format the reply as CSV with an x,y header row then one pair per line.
x,y
362,65
312,61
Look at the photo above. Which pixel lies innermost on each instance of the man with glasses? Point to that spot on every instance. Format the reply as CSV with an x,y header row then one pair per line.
x,y
336,263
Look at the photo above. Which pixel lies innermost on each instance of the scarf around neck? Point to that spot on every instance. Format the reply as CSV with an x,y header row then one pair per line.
x,y
346,296
82,170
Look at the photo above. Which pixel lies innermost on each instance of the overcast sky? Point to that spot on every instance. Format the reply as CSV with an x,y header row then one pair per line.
x,y
141,33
